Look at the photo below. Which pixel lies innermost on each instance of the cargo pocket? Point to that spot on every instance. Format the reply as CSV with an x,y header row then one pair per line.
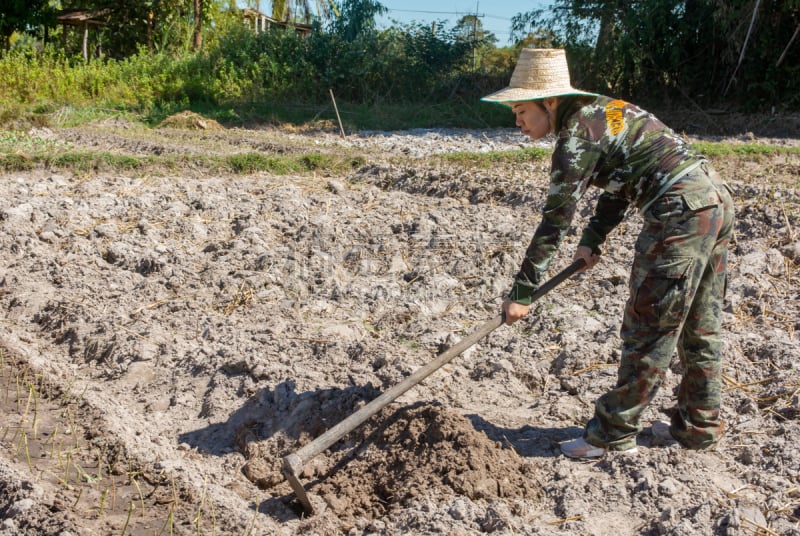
x,y
660,294
701,199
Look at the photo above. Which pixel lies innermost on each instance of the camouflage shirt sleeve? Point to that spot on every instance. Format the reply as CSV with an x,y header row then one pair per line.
x,y
609,213
573,168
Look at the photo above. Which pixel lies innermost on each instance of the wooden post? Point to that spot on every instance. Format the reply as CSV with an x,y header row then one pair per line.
x,y
336,108
86,40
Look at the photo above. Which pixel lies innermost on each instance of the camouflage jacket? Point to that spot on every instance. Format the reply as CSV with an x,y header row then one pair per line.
x,y
610,144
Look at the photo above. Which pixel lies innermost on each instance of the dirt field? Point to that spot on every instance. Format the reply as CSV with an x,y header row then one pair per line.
x,y
168,337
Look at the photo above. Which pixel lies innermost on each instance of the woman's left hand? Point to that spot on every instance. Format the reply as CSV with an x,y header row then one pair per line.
x,y
513,311
588,257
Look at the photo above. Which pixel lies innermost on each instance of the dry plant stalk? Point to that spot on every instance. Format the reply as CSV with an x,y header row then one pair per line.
x,y
253,520
593,366
170,521
199,515
138,488
564,520
27,451
103,497
66,468
78,498
242,297
128,519
743,386
35,423
758,529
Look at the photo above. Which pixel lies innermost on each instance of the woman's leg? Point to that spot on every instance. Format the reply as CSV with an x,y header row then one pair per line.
x,y
696,424
673,250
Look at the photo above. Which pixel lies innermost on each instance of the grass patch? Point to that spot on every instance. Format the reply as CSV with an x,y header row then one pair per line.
x,y
23,117
486,160
16,162
75,116
283,165
14,158
254,162
83,161
721,149
15,141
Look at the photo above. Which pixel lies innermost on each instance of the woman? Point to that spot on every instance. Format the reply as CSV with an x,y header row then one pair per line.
x,y
677,280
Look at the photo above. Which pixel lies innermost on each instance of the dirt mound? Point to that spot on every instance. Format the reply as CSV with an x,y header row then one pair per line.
x,y
398,456
190,120
280,421
425,451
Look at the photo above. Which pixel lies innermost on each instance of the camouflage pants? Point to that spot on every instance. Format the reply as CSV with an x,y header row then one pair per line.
x,y
677,286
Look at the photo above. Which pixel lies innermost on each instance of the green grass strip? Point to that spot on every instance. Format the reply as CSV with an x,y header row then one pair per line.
x,y
245,163
88,161
722,149
486,160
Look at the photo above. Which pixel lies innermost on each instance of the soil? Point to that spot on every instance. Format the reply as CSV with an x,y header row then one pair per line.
x,y
167,338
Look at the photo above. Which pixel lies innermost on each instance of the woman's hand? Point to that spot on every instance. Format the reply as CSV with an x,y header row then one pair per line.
x,y
588,257
514,311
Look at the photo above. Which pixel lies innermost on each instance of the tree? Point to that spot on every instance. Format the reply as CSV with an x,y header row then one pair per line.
x,y
539,38
693,50
300,10
469,29
160,25
23,16
197,41
279,9
357,18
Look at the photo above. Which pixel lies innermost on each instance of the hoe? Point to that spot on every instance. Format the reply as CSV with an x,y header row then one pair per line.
x,y
294,463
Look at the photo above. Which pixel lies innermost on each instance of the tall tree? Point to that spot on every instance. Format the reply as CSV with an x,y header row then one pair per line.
x,y
696,50
470,28
279,9
357,18
197,40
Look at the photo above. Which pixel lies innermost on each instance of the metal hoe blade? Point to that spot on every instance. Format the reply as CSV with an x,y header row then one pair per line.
x,y
293,463
292,467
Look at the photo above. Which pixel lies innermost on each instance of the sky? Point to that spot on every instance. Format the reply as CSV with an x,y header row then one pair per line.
x,y
495,15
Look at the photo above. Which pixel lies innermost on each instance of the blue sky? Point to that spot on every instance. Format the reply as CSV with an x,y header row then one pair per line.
x,y
496,14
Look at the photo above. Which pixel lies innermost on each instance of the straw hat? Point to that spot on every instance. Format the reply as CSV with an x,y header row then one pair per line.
x,y
540,73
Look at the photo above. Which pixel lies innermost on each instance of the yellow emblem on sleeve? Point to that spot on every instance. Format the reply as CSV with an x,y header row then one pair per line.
x,y
615,120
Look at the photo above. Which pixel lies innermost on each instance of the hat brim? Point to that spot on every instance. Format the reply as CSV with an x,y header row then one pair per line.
x,y
517,94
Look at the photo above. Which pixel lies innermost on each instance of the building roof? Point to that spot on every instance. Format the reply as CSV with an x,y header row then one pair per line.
x,y
255,14
81,17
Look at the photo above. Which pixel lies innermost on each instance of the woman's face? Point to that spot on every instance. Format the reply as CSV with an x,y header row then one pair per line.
x,y
534,118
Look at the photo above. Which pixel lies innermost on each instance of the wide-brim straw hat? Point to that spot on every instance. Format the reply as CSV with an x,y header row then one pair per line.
x,y
540,73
